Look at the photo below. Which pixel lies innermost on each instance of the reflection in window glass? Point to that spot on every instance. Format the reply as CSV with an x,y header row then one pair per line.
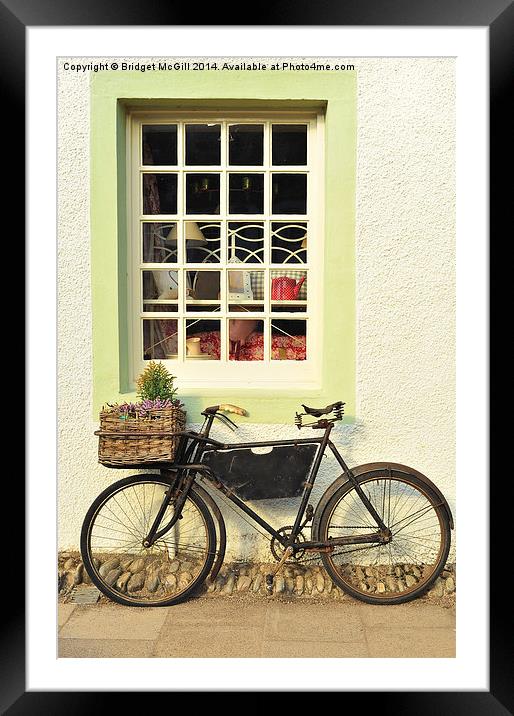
x,y
203,144
289,144
159,144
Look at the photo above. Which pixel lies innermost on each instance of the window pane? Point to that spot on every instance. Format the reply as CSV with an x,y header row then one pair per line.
x,y
202,339
245,286
246,193
160,144
159,242
288,243
159,193
246,339
289,193
288,308
193,307
202,194
288,285
202,242
160,338
203,286
245,307
245,290
160,307
160,284
289,144
245,144
257,282
288,340
203,144
246,242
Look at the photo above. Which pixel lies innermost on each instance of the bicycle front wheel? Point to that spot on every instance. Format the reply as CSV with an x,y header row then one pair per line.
x,y
410,562
117,561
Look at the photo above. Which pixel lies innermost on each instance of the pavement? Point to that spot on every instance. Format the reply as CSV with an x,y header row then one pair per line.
x,y
248,627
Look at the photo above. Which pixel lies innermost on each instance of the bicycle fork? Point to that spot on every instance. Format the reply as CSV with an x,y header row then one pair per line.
x,y
176,487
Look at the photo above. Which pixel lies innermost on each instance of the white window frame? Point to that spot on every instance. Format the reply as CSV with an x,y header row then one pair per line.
x,y
276,374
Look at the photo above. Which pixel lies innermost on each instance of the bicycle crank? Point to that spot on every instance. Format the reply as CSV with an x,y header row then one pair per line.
x,y
277,549
271,577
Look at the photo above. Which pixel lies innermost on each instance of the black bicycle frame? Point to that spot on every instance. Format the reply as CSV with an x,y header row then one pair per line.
x,y
186,471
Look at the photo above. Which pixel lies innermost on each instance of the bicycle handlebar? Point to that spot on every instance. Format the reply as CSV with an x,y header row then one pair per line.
x,y
226,408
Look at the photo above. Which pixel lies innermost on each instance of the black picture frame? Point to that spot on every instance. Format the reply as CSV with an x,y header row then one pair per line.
x,y
498,16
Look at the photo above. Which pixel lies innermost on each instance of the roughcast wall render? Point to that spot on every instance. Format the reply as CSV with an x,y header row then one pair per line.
x,y
405,275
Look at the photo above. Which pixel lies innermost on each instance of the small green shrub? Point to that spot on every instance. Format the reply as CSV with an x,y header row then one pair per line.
x,y
156,382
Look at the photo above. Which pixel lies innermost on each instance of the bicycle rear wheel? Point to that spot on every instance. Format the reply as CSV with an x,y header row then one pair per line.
x,y
406,566
114,555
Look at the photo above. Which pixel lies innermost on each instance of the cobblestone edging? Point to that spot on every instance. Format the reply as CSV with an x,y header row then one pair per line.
x,y
306,581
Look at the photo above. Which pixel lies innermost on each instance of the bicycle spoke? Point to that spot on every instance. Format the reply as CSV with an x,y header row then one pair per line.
x,y
403,564
116,519
164,570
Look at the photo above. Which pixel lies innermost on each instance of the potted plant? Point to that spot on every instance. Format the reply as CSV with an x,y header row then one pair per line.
x,y
138,433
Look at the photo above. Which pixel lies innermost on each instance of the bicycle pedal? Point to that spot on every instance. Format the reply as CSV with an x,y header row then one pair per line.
x,y
269,583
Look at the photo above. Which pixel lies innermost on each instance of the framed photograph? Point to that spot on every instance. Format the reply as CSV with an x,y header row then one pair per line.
x,y
253,175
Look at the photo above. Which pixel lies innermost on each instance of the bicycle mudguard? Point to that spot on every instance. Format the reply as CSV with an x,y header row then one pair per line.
x,y
222,530
367,470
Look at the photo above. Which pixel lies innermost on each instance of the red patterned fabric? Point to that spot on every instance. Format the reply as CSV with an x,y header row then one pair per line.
x,y
210,343
282,347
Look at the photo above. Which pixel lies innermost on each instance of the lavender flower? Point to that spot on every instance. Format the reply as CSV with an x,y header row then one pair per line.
x,y
144,408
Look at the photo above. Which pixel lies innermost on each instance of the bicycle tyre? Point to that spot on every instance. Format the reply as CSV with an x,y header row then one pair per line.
x,y
394,573
160,585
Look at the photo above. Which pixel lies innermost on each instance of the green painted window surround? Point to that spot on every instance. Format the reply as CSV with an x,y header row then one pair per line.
x,y
113,95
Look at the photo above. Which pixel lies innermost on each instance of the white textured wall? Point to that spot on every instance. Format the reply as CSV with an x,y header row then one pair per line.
x,y
405,248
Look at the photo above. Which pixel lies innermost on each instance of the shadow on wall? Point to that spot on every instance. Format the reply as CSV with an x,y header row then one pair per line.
x,y
244,542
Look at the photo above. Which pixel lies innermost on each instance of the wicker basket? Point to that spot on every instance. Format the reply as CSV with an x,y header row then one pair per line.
x,y
134,441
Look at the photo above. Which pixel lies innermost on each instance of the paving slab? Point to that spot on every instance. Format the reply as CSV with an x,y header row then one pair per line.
x,y
410,614
236,612
113,622
408,642
64,612
105,648
207,641
311,649
323,622
239,627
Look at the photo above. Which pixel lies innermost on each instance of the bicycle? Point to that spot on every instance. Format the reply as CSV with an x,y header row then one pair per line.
x,y
382,530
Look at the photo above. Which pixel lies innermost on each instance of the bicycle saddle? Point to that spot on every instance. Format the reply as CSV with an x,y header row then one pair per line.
x,y
318,412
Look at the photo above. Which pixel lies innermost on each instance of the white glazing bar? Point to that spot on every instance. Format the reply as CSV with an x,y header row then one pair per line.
x,y
227,243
